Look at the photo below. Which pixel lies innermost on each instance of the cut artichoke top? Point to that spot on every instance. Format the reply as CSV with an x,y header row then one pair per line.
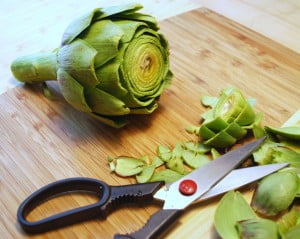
x,y
112,62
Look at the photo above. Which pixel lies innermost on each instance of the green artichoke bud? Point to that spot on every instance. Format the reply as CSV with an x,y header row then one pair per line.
x,y
275,193
112,62
258,229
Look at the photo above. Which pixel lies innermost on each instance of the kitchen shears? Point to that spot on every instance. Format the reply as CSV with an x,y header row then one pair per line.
x,y
210,180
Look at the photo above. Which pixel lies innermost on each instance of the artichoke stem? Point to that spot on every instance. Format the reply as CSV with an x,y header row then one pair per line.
x,y
35,68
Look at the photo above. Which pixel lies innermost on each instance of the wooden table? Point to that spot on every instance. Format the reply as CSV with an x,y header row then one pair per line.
x,y
42,141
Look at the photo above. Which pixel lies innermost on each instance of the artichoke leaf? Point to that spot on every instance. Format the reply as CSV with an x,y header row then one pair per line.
x,y
105,37
231,209
264,154
133,102
166,175
294,120
146,174
235,130
164,153
77,59
144,110
290,132
115,122
221,140
205,132
257,120
161,149
157,162
194,160
72,91
129,28
108,76
176,164
287,221
177,151
197,147
291,144
285,155
168,79
105,104
209,101
246,116
192,129
79,25
216,125
293,233
120,9
47,92
230,104
215,154
258,229
258,131
164,42
207,116
127,166
148,19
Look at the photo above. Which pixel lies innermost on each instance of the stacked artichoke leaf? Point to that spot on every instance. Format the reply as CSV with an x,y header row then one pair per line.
x,y
228,120
112,62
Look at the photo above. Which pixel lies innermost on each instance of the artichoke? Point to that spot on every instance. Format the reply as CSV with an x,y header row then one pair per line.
x,y
230,117
275,193
112,62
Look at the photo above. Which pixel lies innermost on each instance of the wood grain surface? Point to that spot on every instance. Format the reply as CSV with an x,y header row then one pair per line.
x,y
43,141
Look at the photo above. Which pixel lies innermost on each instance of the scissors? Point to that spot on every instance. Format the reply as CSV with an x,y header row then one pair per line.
x,y
214,178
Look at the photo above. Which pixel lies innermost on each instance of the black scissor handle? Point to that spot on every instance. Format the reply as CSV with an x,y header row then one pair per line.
x,y
68,217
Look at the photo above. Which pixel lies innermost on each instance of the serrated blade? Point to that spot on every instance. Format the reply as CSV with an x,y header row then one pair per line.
x,y
205,177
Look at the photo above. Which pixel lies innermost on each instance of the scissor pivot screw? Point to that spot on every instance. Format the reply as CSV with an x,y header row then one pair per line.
x,y
188,187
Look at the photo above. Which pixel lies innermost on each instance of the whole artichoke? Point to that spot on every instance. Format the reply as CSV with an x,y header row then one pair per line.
x,y
112,62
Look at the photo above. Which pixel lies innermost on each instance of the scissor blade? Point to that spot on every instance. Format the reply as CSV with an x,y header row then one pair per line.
x,y
240,177
236,179
206,176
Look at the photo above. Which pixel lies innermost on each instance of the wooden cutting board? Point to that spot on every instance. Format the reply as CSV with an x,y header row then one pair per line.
x,y
43,141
